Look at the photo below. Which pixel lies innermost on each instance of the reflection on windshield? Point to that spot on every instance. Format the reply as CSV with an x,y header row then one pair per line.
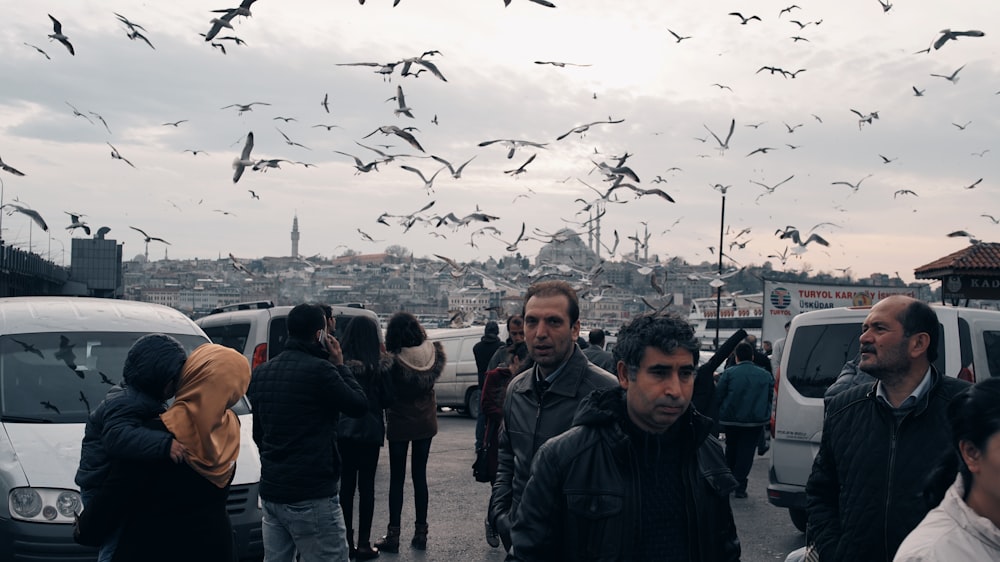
x,y
61,378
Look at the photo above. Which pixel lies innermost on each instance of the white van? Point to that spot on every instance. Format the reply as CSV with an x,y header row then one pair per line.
x,y
458,386
817,346
58,357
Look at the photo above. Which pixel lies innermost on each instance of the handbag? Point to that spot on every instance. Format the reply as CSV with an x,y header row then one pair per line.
x,y
480,468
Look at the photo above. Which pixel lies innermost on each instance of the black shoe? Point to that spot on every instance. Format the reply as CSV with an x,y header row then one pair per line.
x,y
741,494
763,449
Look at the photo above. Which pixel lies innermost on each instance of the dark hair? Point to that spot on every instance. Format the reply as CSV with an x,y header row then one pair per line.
x,y
974,416
327,310
667,332
920,317
403,330
519,350
596,337
304,320
360,342
515,320
551,289
743,351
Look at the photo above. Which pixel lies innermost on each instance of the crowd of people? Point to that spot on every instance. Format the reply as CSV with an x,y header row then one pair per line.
x,y
633,454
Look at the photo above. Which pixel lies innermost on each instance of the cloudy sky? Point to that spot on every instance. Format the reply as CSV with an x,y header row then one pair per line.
x,y
670,93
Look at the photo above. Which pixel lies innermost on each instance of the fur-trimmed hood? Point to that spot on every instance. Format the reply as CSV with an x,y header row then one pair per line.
x,y
410,380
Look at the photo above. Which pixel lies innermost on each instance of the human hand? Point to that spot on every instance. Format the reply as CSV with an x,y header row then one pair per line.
x,y
177,451
333,348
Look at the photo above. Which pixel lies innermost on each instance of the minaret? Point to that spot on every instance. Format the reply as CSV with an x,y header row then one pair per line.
x,y
295,236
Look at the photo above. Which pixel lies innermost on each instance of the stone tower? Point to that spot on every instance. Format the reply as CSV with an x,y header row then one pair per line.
x,y
295,236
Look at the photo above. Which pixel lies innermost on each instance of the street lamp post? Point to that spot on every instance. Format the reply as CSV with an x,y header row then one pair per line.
x,y
718,290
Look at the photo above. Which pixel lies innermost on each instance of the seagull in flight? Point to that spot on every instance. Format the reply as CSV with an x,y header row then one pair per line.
x,y
359,166
147,238
289,141
39,50
513,145
974,184
854,186
401,102
455,172
10,169
428,183
238,265
28,212
560,64
57,34
678,37
117,156
723,146
240,164
918,93
743,20
241,108
77,113
964,234
326,103
899,192
962,127
886,6
76,223
949,35
886,160
175,123
522,168
401,133
953,77
581,129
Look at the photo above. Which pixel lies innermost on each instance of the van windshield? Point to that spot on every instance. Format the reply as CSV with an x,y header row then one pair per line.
x,y
59,378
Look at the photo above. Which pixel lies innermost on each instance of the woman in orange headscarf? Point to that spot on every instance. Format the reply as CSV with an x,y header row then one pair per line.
x,y
173,511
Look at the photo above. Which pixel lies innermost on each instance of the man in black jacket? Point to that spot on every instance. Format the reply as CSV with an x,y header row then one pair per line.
x,y
297,398
483,351
542,400
639,476
880,440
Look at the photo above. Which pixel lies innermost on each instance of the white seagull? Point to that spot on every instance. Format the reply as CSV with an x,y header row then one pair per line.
x,y
57,34
240,164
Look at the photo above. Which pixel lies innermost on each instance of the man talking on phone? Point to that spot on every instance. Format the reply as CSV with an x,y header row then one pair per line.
x,y
297,399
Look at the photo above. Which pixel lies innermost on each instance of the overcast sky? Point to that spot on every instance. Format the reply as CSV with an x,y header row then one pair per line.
x,y
854,56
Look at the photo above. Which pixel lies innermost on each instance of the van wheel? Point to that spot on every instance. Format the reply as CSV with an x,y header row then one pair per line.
x,y
799,518
472,403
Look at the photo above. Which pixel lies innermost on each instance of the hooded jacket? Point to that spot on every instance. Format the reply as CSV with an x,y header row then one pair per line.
x,y
584,498
952,531
864,494
297,399
115,429
413,415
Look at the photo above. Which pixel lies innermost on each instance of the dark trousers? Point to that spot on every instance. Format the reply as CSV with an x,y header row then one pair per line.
x,y
741,444
397,477
358,463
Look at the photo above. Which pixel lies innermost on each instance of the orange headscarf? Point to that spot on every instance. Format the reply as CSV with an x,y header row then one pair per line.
x,y
214,378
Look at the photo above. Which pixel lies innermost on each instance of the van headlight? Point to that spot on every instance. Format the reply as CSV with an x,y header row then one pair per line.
x,y
44,505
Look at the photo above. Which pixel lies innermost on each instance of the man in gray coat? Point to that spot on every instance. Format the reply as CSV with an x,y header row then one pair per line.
x,y
596,353
542,400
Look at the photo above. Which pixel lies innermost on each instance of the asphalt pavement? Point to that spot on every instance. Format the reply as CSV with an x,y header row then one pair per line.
x,y
458,506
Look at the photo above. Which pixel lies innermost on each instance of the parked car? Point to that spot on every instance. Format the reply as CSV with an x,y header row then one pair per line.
x,y
817,346
58,357
458,386
259,329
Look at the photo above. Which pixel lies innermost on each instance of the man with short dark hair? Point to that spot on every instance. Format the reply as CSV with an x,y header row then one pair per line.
x,y
639,476
596,353
297,398
880,440
483,351
542,400
744,394
515,335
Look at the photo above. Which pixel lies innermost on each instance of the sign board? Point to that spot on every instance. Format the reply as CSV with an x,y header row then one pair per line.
x,y
970,287
784,300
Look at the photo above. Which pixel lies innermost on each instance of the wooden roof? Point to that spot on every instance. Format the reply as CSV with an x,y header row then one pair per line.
x,y
978,259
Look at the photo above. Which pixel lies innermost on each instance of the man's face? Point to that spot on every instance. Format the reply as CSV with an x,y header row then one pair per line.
x,y
516,333
331,325
885,351
548,333
662,389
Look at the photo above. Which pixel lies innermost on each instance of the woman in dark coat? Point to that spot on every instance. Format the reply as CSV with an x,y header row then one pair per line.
x,y
169,511
416,365
360,439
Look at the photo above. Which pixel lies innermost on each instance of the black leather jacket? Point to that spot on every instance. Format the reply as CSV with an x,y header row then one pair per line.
x,y
864,494
584,498
531,417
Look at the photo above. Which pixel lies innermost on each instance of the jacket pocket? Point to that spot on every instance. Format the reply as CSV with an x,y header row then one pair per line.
x,y
594,506
594,526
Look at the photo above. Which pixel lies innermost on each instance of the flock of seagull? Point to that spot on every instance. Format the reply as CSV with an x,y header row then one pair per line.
x,y
614,171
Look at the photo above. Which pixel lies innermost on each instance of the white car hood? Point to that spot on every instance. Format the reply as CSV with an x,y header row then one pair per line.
x,y
49,454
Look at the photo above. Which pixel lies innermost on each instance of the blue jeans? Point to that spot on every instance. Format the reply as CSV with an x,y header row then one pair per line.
x,y
313,528
107,550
